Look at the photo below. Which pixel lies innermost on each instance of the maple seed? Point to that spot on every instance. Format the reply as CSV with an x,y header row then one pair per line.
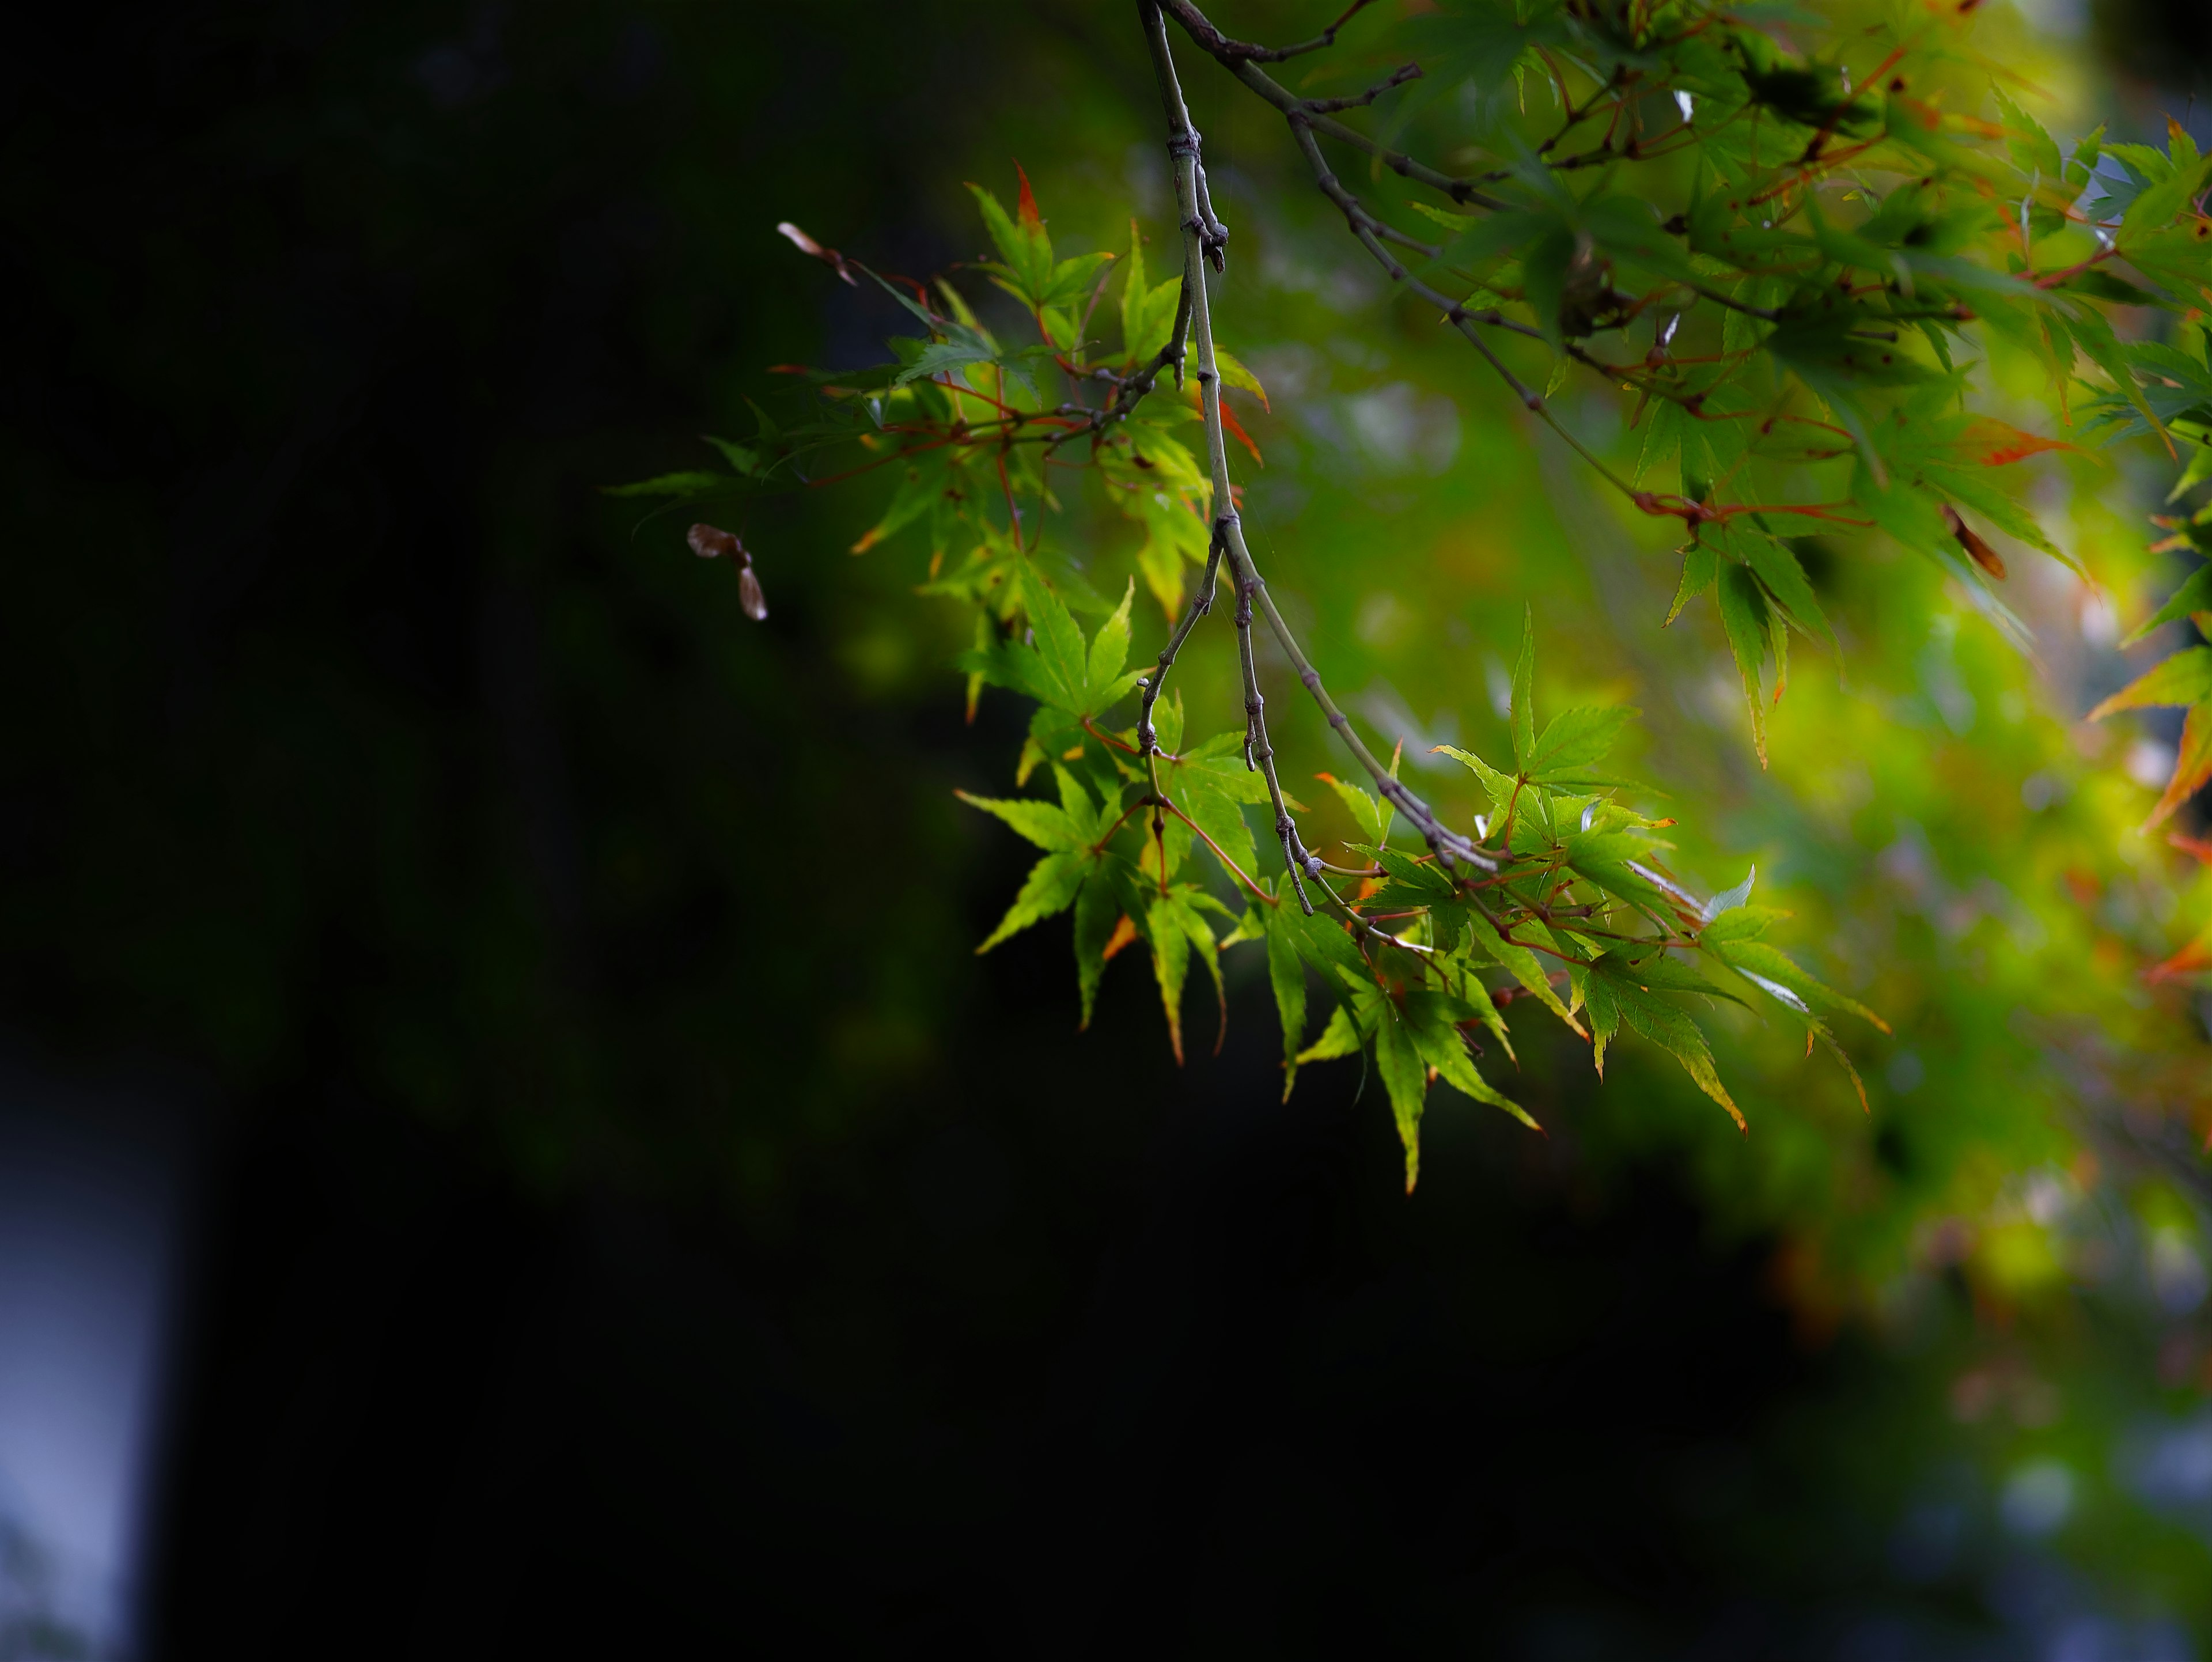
x,y
709,540
807,245
1984,556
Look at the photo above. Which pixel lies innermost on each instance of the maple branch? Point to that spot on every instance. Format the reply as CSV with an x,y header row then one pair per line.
x,y
1201,602
1364,226
1229,529
1305,122
1246,52
1398,77
1203,235
1257,750
1361,929
1242,60
1133,390
1321,865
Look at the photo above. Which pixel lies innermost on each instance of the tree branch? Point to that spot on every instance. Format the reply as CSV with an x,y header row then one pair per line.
x,y
1371,232
1229,532
1243,60
1398,77
1245,50
1199,240
1201,602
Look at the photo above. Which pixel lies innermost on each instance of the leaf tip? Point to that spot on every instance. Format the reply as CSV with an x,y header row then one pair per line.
x,y
1028,207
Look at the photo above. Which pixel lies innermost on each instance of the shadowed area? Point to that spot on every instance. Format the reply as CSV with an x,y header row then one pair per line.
x,y
557,1220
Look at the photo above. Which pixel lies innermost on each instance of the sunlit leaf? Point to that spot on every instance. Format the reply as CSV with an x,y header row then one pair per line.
x,y
1340,1037
2192,597
2183,678
1617,994
1575,740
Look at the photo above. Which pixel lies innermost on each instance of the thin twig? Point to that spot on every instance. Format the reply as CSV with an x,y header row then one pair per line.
x,y
1243,60
1397,77
1371,232
1201,602
1248,52
1228,531
1228,538
1258,752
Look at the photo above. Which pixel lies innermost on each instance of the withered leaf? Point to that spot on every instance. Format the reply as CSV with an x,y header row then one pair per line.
x,y
1970,539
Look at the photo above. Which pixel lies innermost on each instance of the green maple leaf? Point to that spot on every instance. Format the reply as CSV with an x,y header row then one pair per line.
x,y
1058,668
1067,830
1624,986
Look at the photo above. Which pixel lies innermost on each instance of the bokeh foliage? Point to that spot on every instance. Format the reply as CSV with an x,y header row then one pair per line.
x,y
1969,855
285,792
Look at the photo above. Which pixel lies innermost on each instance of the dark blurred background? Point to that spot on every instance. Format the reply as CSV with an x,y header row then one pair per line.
x,y
464,1188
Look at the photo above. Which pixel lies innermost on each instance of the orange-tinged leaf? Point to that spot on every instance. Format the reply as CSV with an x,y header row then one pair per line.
x,y
1234,373
2196,955
2196,845
2186,678
1124,932
1989,443
1031,219
1229,421
2192,767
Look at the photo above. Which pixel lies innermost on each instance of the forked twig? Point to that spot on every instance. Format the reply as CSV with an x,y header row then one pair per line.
x,y
1199,228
